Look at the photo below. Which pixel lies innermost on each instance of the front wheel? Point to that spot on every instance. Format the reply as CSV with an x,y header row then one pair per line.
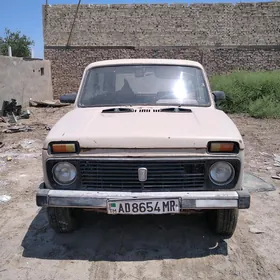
x,y
62,220
224,221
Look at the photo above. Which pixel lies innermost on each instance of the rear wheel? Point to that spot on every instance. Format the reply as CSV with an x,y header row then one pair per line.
x,y
63,220
224,221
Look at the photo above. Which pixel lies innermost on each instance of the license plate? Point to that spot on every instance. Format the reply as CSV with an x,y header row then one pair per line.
x,y
136,207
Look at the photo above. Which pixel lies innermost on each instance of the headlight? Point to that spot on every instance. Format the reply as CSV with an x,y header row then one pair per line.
x,y
221,173
64,173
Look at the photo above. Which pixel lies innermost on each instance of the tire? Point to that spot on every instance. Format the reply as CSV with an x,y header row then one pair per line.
x,y
224,221
63,220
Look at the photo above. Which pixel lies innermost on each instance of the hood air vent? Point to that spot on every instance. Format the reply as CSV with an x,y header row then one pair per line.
x,y
164,110
148,110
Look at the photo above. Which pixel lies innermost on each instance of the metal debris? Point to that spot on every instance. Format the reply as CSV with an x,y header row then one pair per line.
x,y
25,115
255,230
11,107
4,198
1,140
12,118
47,127
276,158
16,129
2,119
265,154
276,164
47,103
13,112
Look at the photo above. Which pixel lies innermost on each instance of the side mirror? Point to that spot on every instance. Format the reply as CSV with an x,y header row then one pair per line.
x,y
219,95
68,98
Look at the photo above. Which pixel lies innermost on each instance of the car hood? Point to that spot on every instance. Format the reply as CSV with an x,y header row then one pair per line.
x,y
94,129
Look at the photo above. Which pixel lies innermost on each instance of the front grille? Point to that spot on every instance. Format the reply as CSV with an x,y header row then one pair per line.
x,y
116,175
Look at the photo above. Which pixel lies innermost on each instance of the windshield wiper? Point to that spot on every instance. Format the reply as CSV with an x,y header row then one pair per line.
x,y
175,110
118,110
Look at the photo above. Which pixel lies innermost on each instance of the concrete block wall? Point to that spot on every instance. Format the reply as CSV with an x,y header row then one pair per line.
x,y
24,79
163,25
68,64
224,37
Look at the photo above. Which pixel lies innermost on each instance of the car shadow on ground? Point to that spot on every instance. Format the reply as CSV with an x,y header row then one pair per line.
x,y
124,238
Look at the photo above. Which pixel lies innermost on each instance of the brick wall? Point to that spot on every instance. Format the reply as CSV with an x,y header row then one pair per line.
x,y
224,37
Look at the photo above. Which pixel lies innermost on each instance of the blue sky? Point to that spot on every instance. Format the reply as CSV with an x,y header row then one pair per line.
x,y
26,15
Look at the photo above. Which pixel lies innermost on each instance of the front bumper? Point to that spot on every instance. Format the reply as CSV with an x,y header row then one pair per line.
x,y
189,200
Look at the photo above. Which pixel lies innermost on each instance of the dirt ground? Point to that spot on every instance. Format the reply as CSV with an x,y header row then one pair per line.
x,y
161,247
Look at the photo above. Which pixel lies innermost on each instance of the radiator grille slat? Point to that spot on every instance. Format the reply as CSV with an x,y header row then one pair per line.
x,y
116,175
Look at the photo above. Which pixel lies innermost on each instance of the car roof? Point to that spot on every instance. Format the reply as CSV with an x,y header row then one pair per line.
x,y
179,62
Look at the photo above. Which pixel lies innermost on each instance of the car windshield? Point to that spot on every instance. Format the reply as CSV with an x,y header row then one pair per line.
x,y
144,85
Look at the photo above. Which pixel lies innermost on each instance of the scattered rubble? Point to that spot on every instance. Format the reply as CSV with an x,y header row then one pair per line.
x,y
26,143
47,103
15,129
11,112
276,159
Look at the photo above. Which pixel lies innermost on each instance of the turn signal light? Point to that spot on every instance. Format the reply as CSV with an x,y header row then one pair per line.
x,y
58,148
223,147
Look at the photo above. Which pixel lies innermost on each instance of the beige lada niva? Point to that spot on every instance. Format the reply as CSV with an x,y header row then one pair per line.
x,y
145,137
